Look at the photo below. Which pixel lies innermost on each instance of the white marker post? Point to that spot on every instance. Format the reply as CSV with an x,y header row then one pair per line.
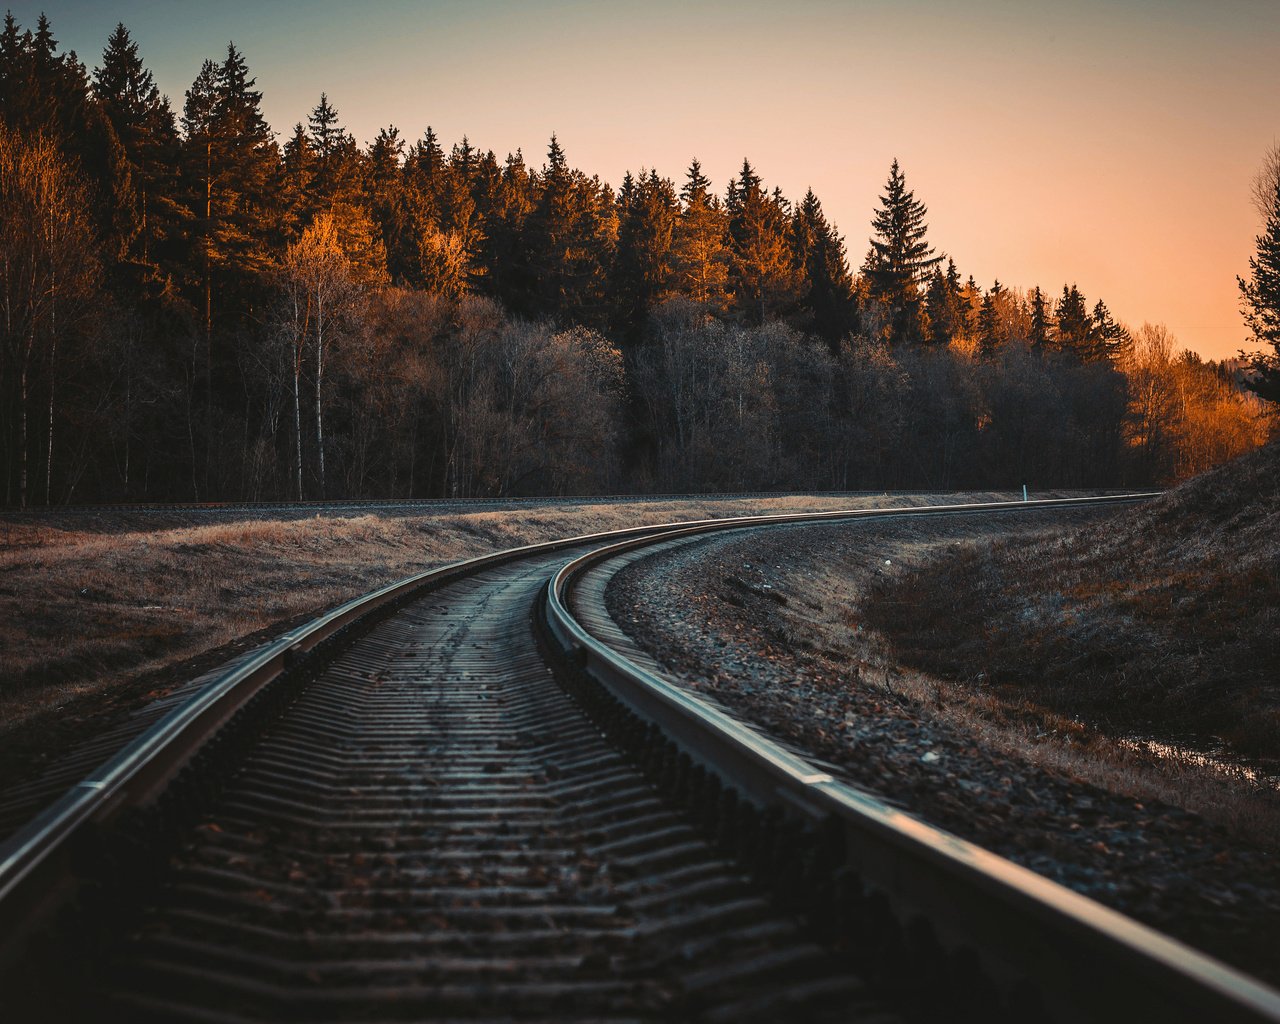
x,y
1024,492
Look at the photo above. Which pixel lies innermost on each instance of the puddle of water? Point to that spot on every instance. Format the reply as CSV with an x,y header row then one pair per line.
x,y
1216,761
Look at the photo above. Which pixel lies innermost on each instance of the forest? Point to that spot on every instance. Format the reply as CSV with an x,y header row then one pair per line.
x,y
194,311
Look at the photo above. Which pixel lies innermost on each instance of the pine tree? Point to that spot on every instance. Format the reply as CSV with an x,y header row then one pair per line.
x,y
943,306
458,194
899,257
1115,339
1039,336
700,244
642,270
989,322
15,68
766,279
505,257
337,189
144,123
231,170
827,283
1076,334
384,182
1260,304
298,167
570,236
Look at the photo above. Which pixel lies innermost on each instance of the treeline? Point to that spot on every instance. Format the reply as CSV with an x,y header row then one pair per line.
x,y
193,311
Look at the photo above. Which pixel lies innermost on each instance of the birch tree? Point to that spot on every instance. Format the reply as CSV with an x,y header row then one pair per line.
x,y
317,292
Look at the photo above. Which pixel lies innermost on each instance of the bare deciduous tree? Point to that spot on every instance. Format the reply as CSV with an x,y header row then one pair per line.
x,y
47,273
1266,183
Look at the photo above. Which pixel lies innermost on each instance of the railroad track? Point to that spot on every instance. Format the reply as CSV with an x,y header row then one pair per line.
x,y
427,505
449,800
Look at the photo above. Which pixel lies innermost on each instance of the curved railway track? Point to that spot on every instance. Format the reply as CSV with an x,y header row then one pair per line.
x,y
425,505
450,800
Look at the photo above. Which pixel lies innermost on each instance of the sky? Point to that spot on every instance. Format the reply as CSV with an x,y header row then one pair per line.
x,y
1106,144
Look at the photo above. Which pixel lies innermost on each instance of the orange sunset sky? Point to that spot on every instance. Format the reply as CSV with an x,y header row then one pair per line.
x,y
1107,144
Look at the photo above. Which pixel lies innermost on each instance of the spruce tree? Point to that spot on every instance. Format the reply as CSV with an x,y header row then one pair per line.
x,y
1076,334
900,256
383,184
827,288
417,210
337,189
144,123
53,91
505,257
642,274
943,304
231,170
989,322
1260,304
1115,340
696,188
700,244
425,159
298,167
15,68
246,167
1039,337
766,277
570,234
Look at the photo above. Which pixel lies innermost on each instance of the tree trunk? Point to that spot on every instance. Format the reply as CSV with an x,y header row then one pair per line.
x,y
128,425
319,382
22,436
297,419
53,379
208,314
191,430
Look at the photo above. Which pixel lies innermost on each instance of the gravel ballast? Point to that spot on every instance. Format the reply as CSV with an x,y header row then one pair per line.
x,y
767,624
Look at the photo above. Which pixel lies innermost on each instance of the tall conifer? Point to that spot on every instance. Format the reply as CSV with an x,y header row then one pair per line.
x,y
900,256
700,243
1076,333
144,123
1039,336
765,274
1260,304
828,285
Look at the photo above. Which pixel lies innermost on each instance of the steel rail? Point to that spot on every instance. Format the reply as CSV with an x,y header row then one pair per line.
x,y
1089,962
398,504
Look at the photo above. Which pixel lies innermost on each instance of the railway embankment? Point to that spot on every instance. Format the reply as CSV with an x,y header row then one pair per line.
x,y
775,627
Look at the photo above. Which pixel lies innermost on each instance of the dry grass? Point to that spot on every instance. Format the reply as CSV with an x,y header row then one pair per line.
x,y
85,608
1164,621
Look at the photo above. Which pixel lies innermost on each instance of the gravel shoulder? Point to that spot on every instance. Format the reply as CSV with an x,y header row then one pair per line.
x,y
772,626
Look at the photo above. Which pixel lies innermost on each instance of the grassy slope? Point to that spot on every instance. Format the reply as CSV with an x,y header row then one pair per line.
x,y
1164,620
